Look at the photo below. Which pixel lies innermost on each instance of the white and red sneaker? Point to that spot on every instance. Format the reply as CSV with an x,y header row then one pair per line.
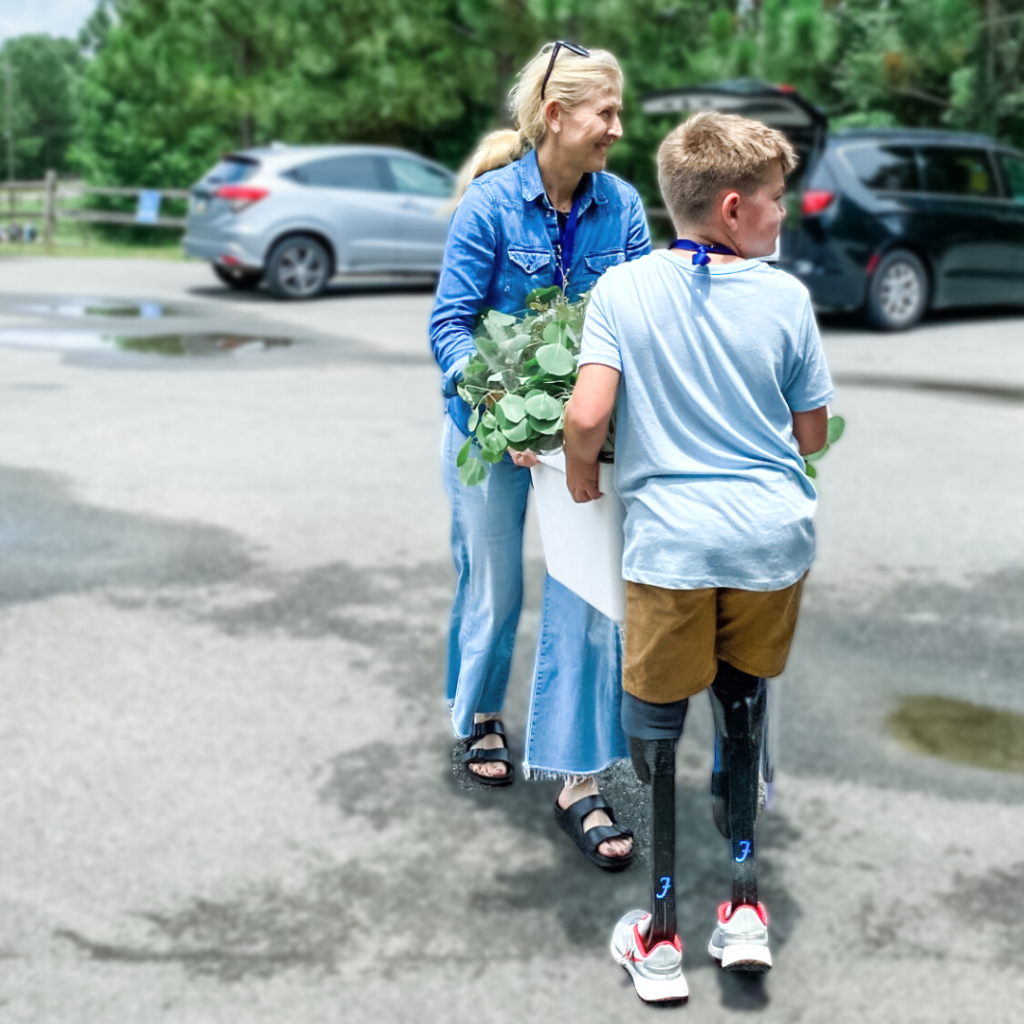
x,y
740,942
657,973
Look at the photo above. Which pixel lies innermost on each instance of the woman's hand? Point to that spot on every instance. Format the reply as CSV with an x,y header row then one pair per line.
x,y
524,459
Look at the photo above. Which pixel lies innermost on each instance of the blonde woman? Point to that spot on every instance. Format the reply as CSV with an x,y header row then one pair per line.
x,y
538,209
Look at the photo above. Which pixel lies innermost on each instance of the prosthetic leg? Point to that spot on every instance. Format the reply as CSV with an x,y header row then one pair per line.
x,y
647,945
739,703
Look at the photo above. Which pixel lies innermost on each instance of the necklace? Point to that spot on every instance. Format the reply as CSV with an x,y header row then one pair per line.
x,y
700,250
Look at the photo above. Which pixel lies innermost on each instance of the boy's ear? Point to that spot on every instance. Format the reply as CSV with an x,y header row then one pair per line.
x,y
729,207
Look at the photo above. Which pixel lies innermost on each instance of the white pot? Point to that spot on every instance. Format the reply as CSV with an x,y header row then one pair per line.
x,y
582,543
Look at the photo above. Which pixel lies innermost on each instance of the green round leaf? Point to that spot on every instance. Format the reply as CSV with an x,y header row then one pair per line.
x,y
514,408
836,426
489,420
488,456
543,295
460,459
500,319
554,333
556,360
518,432
546,426
541,406
810,470
495,442
472,473
814,456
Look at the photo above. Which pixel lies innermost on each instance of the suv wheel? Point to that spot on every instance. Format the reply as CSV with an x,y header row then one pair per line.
x,y
242,280
298,268
898,294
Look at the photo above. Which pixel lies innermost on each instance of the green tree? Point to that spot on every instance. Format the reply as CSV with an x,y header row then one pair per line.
x,y
43,78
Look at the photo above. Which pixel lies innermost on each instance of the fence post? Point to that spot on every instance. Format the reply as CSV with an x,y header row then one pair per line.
x,y
50,214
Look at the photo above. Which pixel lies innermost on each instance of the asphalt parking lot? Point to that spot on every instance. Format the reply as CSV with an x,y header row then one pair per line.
x,y
226,792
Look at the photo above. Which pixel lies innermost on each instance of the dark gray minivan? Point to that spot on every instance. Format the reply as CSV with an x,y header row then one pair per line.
x,y
891,221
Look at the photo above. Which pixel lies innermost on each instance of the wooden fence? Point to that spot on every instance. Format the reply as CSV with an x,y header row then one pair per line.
x,y
53,191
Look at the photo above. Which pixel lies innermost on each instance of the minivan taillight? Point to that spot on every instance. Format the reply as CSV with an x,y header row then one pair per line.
x,y
816,201
241,196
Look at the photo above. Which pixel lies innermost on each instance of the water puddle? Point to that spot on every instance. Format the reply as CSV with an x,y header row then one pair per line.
x,y
956,730
196,344
98,307
998,392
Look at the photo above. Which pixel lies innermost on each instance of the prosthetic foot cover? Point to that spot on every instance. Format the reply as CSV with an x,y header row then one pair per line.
x,y
739,702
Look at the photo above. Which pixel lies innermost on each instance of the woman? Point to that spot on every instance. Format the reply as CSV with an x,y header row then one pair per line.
x,y
538,210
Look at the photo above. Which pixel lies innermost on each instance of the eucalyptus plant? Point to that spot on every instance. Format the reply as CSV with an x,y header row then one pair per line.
x,y
519,379
836,426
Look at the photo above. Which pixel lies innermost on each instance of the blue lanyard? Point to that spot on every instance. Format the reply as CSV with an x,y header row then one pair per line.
x,y
700,251
566,244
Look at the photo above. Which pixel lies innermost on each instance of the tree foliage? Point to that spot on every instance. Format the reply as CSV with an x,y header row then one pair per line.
x,y
43,79
169,85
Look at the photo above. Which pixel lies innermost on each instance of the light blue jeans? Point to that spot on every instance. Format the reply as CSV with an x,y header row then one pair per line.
x,y
574,723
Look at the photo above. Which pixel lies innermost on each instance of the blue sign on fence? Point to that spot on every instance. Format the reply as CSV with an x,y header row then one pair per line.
x,y
149,207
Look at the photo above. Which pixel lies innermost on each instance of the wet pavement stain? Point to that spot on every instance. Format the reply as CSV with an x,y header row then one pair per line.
x,y
202,345
956,730
51,544
95,307
996,896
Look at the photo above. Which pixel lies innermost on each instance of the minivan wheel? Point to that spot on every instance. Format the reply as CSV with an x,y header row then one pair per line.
x,y
241,280
298,268
898,294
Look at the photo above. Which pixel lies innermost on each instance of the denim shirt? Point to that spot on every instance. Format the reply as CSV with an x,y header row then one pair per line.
x,y
501,246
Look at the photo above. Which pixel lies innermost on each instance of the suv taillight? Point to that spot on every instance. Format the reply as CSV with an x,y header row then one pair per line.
x,y
241,196
816,201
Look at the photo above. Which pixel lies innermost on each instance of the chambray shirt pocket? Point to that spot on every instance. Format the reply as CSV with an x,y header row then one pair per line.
x,y
526,268
596,263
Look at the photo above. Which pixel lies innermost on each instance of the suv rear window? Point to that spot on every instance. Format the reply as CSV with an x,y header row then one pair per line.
x,y
884,168
958,172
232,170
360,172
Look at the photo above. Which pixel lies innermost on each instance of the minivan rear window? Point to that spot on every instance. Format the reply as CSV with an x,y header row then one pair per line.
x,y
883,168
1014,171
958,172
232,171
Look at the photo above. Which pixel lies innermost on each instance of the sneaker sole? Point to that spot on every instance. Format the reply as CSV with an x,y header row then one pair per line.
x,y
653,990
752,959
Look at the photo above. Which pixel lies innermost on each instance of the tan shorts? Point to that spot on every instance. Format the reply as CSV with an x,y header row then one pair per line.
x,y
675,638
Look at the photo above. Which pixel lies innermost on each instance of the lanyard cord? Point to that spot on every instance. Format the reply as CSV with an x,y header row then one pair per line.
x,y
564,247
700,250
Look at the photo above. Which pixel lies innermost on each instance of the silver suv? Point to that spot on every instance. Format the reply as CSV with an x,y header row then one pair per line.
x,y
297,215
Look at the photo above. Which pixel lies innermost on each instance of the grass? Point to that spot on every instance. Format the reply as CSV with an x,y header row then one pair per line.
x,y
94,250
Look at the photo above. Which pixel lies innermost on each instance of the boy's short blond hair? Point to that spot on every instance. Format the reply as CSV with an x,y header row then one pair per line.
x,y
711,151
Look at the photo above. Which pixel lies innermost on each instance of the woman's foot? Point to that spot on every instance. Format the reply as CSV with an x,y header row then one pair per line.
x,y
492,741
569,796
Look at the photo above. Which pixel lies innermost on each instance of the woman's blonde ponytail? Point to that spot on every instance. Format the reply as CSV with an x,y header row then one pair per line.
x,y
495,150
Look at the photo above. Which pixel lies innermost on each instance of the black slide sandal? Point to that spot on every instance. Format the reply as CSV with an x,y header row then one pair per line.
x,y
571,819
487,756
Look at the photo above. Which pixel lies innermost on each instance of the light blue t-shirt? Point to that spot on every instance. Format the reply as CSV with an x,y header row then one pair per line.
x,y
714,361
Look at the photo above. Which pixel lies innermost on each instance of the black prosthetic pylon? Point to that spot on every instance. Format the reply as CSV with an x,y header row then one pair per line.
x,y
739,702
655,763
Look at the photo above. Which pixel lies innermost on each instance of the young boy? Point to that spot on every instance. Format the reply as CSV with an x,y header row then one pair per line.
x,y
717,366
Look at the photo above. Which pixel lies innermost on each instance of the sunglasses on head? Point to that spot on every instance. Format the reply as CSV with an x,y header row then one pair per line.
x,y
555,47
